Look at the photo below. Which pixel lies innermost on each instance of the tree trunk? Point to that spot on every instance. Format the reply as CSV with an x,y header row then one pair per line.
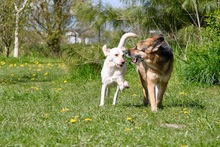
x,y
16,44
17,15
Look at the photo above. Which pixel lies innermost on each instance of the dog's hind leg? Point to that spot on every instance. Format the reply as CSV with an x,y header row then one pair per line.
x,y
115,96
103,92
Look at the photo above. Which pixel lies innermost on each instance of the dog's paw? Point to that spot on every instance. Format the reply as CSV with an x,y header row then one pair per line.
x,y
125,84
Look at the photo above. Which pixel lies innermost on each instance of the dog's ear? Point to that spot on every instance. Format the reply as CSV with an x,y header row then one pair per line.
x,y
105,50
156,43
123,49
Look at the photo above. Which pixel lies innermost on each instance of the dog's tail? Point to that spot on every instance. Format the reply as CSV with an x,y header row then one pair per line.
x,y
123,39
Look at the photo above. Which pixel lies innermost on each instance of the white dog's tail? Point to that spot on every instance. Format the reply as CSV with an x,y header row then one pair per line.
x,y
123,39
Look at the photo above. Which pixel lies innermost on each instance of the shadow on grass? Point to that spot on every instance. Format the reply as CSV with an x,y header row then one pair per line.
x,y
135,105
186,104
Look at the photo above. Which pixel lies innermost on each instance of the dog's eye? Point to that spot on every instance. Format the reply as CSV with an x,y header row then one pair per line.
x,y
116,55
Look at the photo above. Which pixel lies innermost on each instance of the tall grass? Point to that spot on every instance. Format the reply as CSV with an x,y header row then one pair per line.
x,y
201,59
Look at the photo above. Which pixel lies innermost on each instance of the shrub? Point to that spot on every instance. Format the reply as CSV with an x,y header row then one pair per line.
x,y
84,61
202,62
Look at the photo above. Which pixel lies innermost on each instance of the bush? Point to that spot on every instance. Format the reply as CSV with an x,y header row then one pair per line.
x,y
84,61
202,62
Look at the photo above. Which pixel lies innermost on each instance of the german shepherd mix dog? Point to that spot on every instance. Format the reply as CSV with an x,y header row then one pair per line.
x,y
154,61
114,68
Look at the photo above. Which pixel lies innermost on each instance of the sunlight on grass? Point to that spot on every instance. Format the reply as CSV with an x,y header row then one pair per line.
x,y
42,105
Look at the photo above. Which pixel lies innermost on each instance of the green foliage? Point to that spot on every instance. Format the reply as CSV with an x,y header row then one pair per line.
x,y
202,63
50,110
84,61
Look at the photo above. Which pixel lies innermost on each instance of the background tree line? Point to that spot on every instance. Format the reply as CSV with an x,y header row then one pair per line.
x,y
47,21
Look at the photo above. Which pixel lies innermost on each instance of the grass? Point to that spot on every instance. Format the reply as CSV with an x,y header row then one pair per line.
x,y
41,104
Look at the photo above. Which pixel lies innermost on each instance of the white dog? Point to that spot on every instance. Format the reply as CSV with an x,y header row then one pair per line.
x,y
114,68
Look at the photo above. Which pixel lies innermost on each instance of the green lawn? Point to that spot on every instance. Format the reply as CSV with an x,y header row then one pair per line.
x,y
41,104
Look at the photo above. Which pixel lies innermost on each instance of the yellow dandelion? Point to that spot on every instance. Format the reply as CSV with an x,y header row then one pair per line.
x,y
39,69
15,65
134,95
64,110
46,73
129,118
12,75
11,65
59,89
72,120
182,93
127,129
22,65
137,127
65,81
186,112
46,115
2,62
88,119
35,88
32,79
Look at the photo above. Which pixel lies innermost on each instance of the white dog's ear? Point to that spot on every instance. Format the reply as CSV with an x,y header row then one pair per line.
x,y
123,49
105,50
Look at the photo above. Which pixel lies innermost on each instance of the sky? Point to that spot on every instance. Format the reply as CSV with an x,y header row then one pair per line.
x,y
113,3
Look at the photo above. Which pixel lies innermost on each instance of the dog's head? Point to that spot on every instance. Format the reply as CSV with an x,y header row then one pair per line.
x,y
115,56
146,49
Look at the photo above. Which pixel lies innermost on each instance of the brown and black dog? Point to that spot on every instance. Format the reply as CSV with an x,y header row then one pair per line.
x,y
154,61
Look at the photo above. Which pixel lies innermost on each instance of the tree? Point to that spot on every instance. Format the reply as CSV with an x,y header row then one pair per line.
x,y
18,12
7,24
50,19
95,20
172,16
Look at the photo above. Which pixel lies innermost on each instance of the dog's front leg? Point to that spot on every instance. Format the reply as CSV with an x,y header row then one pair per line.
x,y
116,95
162,88
103,91
151,91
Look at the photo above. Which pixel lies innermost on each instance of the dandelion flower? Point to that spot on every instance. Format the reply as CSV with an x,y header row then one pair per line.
x,y
129,118
137,127
127,129
88,119
182,93
46,73
72,120
65,81
134,95
46,115
64,110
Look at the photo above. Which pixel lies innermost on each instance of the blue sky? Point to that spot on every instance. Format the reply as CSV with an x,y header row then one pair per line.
x,y
114,3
